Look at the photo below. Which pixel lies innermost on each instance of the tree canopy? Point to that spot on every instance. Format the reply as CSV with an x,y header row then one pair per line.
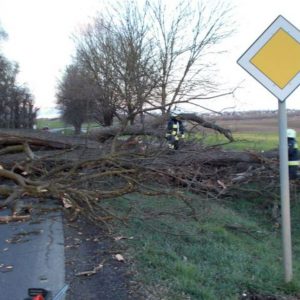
x,y
146,56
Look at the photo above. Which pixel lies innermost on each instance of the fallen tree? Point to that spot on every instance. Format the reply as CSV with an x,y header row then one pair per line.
x,y
156,128
80,172
81,177
41,138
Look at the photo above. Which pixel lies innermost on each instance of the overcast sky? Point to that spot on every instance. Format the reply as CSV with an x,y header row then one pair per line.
x,y
39,40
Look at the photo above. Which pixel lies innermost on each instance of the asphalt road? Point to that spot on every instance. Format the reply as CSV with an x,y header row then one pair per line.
x,y
31,255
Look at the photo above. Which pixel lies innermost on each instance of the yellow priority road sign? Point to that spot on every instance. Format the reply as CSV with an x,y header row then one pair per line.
x,y
274,58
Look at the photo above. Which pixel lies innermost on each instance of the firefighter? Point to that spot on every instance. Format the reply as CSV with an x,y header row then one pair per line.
x,y
175,130
293,153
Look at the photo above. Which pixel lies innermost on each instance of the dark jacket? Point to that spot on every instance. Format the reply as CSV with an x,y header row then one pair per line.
x,y
293,150
175,127
293,158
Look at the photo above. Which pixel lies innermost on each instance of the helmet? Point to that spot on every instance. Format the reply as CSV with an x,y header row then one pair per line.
x,y
291,133
176,112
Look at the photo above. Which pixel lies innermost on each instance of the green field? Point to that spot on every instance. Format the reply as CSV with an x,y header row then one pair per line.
x,y
58,123
245,141
51,123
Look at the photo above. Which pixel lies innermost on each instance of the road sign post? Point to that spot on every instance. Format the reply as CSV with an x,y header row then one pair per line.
x,y
285,193
274,61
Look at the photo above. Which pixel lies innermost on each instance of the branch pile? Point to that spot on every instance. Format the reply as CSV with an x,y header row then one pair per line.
x,y
80,175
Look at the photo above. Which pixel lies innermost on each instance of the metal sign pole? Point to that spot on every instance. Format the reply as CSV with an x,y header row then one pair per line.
x,y
278,46
285,193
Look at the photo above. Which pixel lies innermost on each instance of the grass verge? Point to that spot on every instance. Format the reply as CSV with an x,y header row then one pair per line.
x,y
206,249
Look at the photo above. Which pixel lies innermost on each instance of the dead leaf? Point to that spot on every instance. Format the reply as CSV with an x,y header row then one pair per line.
x,y
118,238
119,257
66,202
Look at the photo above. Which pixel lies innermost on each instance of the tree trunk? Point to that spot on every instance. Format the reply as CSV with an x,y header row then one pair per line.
x,y
77,128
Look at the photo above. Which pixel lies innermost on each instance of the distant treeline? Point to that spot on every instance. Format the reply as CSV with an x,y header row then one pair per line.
x,y
16,101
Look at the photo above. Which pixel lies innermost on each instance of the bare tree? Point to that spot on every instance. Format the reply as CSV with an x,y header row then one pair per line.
x,y
134,61
75,97
184,37
16,102
93,59
148,56
120,56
